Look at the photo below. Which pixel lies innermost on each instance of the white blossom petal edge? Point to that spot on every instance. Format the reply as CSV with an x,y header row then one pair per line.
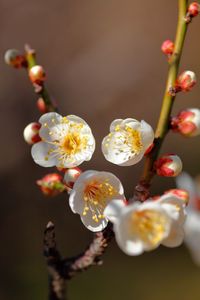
x,y
192,224
66,141
127,141
144,226
90,195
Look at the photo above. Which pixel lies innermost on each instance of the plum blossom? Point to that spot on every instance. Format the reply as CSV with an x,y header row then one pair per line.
x,y
91,193
192,224
144,226
66,141
127,141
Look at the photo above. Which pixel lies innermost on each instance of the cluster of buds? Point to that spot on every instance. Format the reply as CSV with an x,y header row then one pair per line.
x,y
51,184
187,122
15,59
168,165
193,11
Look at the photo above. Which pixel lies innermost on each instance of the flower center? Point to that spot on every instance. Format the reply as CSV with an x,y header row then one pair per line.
x,y
133,139
96,196
149,225
72,143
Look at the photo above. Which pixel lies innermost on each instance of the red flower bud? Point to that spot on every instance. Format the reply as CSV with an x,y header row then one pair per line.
x,y
37,74
14,58
187,122
42,106
193,9
71,175
186,81
31,133
167,47
168,165
51,184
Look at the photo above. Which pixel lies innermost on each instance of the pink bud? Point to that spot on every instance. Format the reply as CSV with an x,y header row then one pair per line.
x,y
193,9
71,175
31,133
51,184
167,47
37,74
14,58
41,106
187,122
168,165
186,81
182,194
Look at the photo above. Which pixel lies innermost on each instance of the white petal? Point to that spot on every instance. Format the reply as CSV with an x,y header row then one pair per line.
x,y
115,123
147,134
92,225
48,117
130,245
175,237
76,201
40,155
113,180
185,181
76,119
113,210
192,234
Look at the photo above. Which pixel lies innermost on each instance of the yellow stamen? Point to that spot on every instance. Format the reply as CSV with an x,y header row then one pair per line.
x,y
149,225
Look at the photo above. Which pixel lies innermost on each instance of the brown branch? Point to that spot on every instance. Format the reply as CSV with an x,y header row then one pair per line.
x,y
61,270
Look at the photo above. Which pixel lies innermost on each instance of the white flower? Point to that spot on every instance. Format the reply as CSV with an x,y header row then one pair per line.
x,y
91,193
127,141
66,141
192,224
144,226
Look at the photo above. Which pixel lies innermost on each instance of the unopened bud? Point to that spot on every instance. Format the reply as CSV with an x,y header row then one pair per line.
x,y
182,194
169,165
71,175
31,133
185,81
187,122
41,106
193,9
37,74
51,184
14,58
167,47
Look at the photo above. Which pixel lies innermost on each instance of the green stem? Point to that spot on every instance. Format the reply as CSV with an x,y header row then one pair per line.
x,y
31,62
168,99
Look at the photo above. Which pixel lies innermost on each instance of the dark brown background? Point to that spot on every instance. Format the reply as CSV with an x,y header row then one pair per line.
x,y
103,62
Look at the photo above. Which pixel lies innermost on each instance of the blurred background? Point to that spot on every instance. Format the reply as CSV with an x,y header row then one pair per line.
x,y
103,61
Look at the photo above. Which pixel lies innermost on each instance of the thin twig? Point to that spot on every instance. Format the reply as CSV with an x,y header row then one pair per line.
x,y
60,269
142,189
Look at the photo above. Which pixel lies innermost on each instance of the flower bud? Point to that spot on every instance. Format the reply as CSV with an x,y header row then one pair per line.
x,y
31,133
37,74
71,175
51,184
187,122
185,81
169,165
182,194
167,47
193,9
41,106
14,58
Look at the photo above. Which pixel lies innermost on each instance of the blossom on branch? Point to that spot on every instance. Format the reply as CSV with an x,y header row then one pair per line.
x,y
144,226
91,193
66,141
127,141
